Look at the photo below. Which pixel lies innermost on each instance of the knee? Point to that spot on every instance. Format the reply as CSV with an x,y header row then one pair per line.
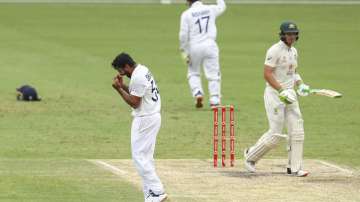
x,y
136,157
276,127
213,76
297,133
193,74
141,163
273,139
276,123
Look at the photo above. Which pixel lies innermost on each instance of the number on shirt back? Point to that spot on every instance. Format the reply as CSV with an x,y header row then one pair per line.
x,y
200,23
154,91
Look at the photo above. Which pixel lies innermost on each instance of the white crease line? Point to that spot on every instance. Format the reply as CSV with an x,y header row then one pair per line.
x,y
299,2
191,195
109,167
266,2
336,167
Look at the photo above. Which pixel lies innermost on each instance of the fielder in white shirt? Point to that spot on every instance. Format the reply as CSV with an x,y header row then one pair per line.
x,y
143,97
198,47
281,103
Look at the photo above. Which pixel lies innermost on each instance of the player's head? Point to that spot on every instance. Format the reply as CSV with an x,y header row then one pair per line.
x,y
190,2
289,32
124,64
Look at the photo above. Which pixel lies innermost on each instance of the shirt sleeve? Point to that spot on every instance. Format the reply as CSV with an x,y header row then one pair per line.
x,y
219,8
296,55
271,58
138,87
184,33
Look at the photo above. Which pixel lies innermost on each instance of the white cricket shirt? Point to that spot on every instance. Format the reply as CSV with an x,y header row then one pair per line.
x,y
198,23
284,61
142,84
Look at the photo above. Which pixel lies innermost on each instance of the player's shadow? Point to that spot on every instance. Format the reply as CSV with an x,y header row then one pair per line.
x,y
339,180
249,175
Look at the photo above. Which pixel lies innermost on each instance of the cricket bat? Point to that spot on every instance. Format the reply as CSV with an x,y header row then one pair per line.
x,y
326,92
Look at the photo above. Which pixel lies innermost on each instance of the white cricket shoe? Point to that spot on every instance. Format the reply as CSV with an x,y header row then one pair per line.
x,y
301,173
249,165
214,101
152,197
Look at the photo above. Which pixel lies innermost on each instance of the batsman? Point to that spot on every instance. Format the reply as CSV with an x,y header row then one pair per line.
x,y
283,83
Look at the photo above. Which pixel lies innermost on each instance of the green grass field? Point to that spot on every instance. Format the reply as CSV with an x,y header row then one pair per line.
x,y
65,50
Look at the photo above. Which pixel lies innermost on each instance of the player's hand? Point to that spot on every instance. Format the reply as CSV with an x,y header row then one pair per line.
x,y
117,82
303,90
185,57
288,96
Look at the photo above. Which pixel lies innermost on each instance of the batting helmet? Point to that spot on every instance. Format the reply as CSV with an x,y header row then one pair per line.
x,y
27,93
288,27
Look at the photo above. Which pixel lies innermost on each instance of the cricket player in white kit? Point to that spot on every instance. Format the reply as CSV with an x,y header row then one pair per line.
x,y
143,96
199,48
281,103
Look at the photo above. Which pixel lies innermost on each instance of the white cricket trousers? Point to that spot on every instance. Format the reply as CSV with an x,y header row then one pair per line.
x,y
205,54
281,115
143,138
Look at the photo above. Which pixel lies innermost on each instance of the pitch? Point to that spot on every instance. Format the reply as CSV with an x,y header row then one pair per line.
x,y
196,180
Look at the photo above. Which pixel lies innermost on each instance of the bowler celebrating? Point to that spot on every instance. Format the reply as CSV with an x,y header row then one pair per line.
x,y
198,48
143,97
281,103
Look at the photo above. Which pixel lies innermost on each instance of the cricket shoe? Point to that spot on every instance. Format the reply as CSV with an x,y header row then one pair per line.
x,y
288,171
152,197
249,165
214,101
199,100
199,103
300,173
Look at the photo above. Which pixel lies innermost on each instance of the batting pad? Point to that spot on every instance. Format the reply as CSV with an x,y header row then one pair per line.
x,y
297,145
267,142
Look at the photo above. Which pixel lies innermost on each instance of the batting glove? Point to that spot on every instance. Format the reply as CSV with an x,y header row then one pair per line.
x,y
287,96
303,90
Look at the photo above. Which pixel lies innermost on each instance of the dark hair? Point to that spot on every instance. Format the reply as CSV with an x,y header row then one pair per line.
x,y
192,1
121,60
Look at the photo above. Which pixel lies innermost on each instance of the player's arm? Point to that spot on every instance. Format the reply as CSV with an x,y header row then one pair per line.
x,y
184,33
123,90
184,38
271,61
298,79
268,76
219,8
302,88
284,94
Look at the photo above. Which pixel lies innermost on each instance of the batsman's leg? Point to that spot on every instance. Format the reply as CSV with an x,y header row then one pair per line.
x,y
268,141
295,125
212,73
288,149
275,111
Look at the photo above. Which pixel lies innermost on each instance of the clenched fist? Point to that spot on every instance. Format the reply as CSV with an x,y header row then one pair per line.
x,y
117,82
